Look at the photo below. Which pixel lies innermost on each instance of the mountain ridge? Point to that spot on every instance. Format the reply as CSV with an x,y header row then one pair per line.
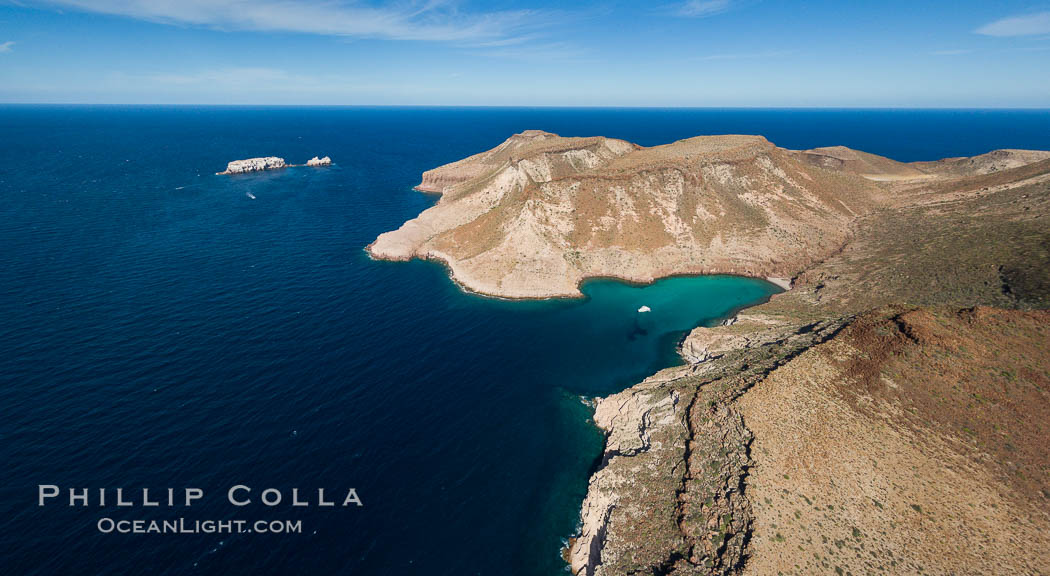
x,y
538,214
912,334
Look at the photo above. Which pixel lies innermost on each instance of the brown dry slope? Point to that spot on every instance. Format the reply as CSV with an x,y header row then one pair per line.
x,y
886,415
870,420
914,442
539,213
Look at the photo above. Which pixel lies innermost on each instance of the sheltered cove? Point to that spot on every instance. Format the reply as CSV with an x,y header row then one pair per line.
x,y
820,431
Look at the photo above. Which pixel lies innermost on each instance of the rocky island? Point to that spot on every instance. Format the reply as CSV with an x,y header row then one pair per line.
x,y
254,165
886,414
269,163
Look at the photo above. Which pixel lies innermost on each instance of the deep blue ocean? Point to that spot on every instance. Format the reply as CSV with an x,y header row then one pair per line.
x,y
160,329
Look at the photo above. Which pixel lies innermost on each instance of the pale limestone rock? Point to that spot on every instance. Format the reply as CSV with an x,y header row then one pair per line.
x,y
254,165
703,344
737,333
630,419
539,213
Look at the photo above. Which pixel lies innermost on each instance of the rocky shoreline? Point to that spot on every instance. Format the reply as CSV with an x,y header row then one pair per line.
x,y
765,452
677,442
269,163
531,218
691,432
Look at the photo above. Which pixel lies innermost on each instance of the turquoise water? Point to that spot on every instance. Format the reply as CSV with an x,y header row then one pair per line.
x,y
162,329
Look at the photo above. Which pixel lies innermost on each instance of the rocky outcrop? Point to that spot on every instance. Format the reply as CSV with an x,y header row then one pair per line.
x,y
270,163
743,331
635,484
539,213
711,467
835,429
703,344
536,215
254,165
988,163
669,495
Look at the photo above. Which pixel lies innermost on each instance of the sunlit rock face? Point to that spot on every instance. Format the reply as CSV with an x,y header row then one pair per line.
x,y
254,165
539,213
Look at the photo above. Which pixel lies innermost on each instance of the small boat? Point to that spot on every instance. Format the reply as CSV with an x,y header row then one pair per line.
x,y
644,309
250,195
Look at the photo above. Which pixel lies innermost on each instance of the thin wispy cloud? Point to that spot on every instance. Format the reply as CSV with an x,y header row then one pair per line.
x,y
509,41
1028,25
251,84
432,20
957,52
6,46
234,80
703,8
746,55
555,52
242,76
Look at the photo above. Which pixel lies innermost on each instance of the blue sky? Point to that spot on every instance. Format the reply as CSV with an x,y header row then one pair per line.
x,y
542,53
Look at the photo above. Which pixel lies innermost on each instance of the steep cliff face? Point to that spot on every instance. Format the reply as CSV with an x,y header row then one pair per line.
x,y
539,213
867,421
254,165
669,497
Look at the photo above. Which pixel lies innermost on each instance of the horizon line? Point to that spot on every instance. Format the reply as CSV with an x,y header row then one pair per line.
x,y
515,106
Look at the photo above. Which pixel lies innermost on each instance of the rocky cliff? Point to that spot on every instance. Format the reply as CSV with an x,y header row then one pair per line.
x,y
254,165
539,213
887,414
875,419
270,163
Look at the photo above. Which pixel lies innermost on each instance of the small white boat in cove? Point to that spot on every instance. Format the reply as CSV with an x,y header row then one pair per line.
x,y
644,309
250,195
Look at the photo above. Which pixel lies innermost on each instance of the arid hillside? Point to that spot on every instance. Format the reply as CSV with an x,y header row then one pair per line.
x,y
886,415
539,213
913,442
